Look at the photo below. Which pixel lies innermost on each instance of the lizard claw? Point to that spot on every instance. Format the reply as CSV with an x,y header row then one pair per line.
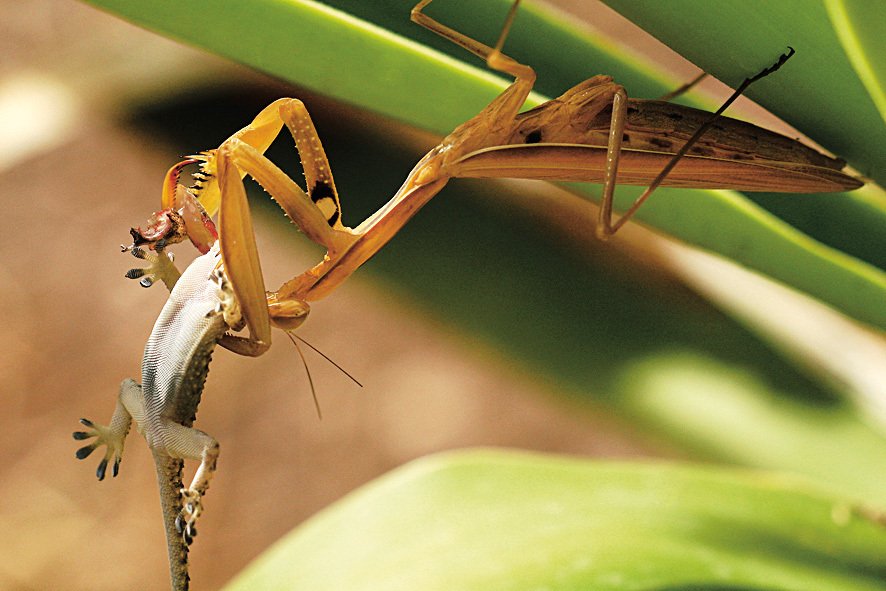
x,y
160,266
192,507
103,436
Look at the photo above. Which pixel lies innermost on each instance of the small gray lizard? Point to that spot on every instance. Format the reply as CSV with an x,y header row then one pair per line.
x,y
200,309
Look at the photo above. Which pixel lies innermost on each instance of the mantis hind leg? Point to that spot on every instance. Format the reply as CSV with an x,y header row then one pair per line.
x,y
503,108
684,88
605,227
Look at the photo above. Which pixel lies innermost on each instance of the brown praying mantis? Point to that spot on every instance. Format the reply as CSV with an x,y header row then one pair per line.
x,y
591,133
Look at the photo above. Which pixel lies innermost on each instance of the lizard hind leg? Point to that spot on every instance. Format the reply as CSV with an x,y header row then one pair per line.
x,y
190,444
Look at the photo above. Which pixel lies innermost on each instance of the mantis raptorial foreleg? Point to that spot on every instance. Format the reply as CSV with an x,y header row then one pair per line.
x,y
220,188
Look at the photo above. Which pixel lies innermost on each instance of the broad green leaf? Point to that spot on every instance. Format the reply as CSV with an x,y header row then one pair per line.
x,y
858,24
321,48
498,520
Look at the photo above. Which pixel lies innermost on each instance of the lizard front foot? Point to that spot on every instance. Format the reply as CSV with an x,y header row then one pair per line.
x,y
192,507
103,436
160,267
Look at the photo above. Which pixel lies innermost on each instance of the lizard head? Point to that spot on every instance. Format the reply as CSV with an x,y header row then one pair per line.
x,y
182,216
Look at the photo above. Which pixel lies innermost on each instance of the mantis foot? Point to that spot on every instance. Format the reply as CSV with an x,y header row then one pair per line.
x,y
192,507
103,436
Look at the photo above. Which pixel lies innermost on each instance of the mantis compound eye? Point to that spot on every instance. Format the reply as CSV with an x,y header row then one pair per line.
x,y
288,314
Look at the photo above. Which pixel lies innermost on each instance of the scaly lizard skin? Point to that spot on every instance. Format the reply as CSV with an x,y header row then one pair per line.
x,y
200,309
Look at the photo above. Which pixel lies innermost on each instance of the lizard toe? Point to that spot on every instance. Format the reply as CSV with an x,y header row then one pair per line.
x,y
185,522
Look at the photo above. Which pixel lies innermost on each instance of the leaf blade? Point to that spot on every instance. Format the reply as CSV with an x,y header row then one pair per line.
x,y
494,519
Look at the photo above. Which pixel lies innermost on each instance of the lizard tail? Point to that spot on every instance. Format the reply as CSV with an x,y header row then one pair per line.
x,y
169,480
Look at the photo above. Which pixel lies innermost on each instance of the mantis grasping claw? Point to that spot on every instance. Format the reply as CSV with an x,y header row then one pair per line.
x,y
593,133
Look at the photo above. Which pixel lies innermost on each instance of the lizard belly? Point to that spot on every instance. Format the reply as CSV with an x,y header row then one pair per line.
x,y
177,354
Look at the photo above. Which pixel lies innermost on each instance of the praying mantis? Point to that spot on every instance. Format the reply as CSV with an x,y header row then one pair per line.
x,y
592,133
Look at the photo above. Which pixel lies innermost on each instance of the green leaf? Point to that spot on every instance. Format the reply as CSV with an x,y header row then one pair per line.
x,y
860,32
499,520
332,52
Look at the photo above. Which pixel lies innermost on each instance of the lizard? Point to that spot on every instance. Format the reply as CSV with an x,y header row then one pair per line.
x,y
199,312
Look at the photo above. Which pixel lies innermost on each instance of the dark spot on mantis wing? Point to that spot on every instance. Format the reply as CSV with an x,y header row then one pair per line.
x,y
701,151
674,116
533,137
661,143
